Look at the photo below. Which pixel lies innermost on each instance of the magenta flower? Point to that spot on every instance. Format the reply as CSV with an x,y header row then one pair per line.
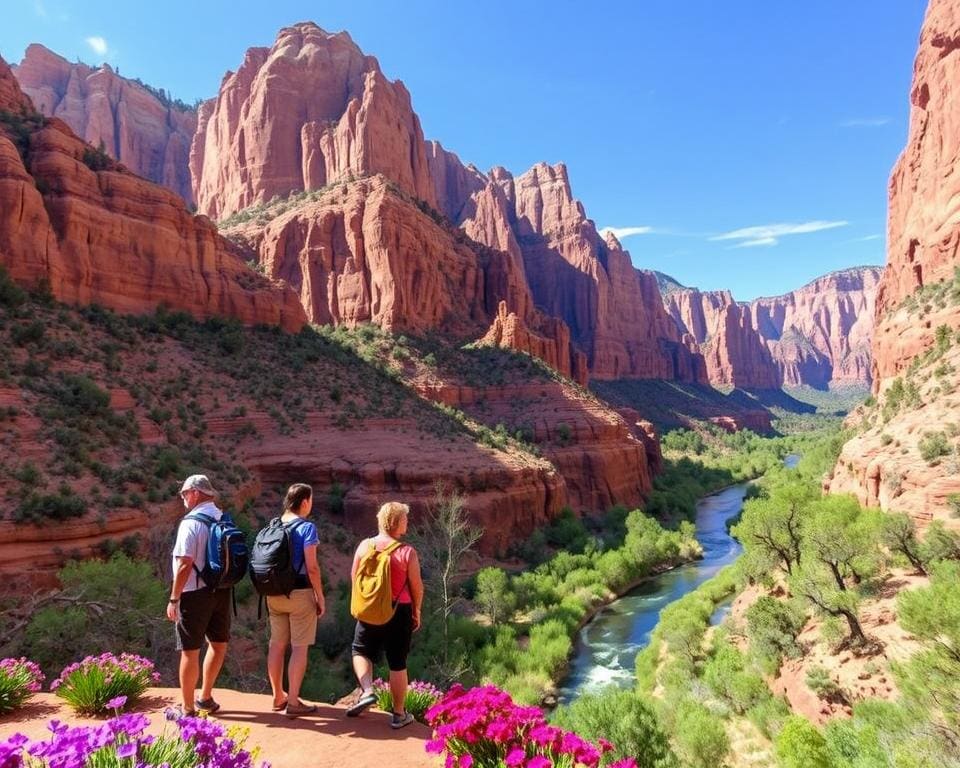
x,y
117,702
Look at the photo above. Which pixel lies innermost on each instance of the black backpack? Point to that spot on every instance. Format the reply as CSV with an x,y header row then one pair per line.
x,y
272,569
227,554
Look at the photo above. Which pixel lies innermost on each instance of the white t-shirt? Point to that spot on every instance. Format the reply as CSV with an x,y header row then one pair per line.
x,y
191,541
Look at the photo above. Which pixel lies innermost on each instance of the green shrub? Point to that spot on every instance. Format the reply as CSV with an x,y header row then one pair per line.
x,y
933,445
494,596
700,736
773,626
622,718
800,745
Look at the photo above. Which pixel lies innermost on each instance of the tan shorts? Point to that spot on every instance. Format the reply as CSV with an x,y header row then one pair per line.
x,y
293,620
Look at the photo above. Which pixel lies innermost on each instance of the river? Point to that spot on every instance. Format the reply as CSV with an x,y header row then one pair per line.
x,y
607,646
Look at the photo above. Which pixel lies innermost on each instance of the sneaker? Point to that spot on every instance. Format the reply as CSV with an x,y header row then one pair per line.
x,y
208,705
366,700
295,710
399,721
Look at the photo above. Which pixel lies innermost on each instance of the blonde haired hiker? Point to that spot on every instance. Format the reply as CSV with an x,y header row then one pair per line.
x,y
386,601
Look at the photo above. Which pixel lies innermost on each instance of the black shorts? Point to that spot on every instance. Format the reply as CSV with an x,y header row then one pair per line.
x,y
203,613
370,640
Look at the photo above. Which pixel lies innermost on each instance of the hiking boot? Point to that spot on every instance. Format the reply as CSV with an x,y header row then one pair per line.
x,y
399,721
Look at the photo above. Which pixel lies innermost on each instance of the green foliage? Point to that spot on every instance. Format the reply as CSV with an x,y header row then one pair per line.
x,y
899,534
699,736
800,745
97,159
773,626
494,596
819,681
940,543
932,446
727,674
114,606
622,718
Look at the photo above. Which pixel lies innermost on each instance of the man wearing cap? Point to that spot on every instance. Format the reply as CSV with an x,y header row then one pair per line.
x,y
197,610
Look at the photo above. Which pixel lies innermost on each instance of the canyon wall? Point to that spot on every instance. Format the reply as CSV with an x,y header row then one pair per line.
x,y
309,111
148,133
818,335
95,233
906,453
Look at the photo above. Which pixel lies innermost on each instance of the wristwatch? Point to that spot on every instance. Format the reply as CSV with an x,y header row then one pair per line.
x,y
174,600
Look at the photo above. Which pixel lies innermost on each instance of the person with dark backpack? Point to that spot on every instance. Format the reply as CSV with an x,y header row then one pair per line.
x,y
284,570
209,558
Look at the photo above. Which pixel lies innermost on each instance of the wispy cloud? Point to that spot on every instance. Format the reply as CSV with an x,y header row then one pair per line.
x,y
40,9
770,234
98,45
622,232
866,239
864,122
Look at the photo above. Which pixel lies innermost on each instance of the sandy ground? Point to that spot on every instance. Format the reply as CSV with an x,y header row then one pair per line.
x,y
326,738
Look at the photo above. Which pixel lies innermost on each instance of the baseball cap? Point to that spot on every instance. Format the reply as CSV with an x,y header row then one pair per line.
x,y
199,483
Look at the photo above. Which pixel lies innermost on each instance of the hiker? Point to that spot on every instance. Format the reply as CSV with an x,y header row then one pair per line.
x,y
387,623
294,616
199,610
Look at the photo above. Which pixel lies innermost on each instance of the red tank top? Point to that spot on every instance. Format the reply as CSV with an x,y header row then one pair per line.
x,y
399,563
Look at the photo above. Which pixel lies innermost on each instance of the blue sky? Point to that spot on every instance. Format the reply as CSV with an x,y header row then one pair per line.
x,y
748,142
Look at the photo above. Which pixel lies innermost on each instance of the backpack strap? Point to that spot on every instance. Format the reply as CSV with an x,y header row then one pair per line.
x,y
389,550
208,522
290,527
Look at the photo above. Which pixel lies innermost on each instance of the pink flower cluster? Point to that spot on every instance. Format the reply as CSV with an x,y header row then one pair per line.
x,y
30,672
109,664
484,728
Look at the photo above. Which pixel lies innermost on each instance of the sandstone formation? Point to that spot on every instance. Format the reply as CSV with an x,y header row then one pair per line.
x,y
553,346
923,233
150,135
307,112
818,335
914,375
613,310
96,233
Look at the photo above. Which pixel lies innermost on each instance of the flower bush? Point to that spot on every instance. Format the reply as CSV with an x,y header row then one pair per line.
x,y
122,742
483,728
420,697
19,679
91,686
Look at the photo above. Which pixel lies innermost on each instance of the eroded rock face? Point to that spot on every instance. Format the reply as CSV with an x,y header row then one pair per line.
x,y
307,112
821,334
108,237
613,310
883,464
923,233
149,137
818,335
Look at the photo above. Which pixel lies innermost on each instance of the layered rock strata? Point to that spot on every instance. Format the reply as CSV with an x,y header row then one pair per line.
x,y
307,112
95,233
142,128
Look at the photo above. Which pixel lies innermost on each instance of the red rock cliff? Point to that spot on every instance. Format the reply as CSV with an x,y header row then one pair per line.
x,y
613,310
150,137
308,111
818,335
923,233
109,237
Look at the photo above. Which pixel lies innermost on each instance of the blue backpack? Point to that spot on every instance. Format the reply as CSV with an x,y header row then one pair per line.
x,y
227,554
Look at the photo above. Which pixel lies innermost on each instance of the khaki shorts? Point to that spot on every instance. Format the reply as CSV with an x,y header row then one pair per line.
x,y
293,620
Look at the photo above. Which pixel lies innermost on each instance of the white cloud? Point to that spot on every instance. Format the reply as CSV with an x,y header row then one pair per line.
x,y
756,242
40,9
864,122
98,44
622,232
770,234
866,239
